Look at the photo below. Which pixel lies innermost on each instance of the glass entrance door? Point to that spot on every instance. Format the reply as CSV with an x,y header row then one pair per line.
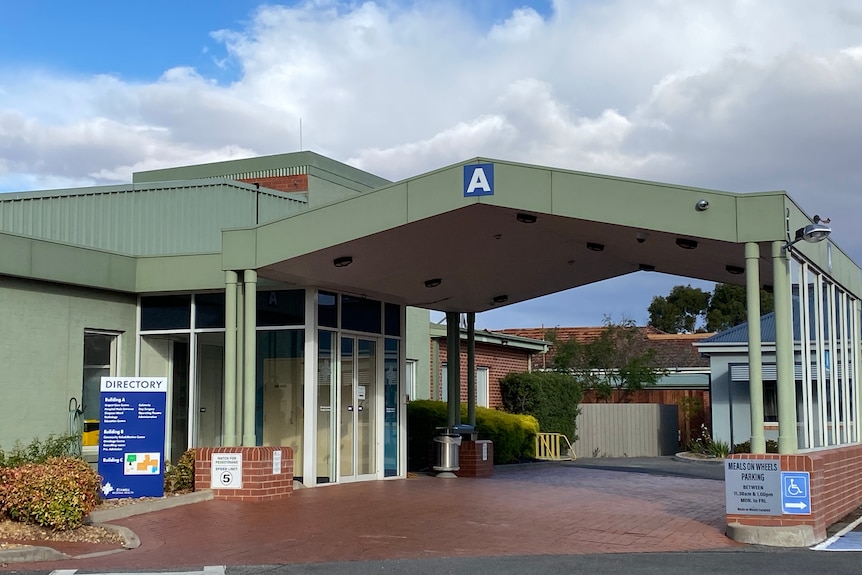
x,y
357,406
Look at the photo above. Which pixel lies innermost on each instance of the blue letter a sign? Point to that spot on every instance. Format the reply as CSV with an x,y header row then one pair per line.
x,y
478,180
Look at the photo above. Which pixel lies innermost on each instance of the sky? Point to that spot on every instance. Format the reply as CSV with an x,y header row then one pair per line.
x,y
735,95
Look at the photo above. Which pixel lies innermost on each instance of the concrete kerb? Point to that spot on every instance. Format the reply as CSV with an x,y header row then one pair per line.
x,y
100,518
122,511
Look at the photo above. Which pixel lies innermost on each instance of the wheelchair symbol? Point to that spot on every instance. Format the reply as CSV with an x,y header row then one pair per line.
x,y
794,490
791,489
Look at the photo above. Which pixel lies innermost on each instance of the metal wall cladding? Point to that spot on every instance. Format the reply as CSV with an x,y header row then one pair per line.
x,y
144,220
626,430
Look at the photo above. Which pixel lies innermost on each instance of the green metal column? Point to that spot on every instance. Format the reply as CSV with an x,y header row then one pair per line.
x,y
453,367
471,369
250,352
240,358
755,359
229,422
787,441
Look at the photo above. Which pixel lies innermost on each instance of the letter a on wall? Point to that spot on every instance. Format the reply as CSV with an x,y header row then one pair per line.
x,y
478,180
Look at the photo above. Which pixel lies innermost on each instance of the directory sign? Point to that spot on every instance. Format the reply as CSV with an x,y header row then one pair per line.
x,y
132,436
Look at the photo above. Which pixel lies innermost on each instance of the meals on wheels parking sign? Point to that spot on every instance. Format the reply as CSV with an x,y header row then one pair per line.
x,y
132,436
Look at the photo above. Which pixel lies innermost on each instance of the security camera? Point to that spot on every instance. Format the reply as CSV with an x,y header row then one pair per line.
x,y
701,205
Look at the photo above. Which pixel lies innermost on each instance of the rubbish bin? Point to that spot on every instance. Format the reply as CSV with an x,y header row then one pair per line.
x,y
446,443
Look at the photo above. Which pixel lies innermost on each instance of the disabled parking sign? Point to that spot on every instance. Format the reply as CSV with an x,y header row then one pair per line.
x,y
795,493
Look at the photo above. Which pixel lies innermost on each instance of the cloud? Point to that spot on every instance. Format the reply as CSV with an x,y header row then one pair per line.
x,y
735,95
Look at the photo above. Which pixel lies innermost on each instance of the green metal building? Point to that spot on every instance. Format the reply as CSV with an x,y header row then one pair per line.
x,y
284,297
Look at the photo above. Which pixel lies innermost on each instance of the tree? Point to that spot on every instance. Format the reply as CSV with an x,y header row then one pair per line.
x,y
618,359
727,306
680,310
687,309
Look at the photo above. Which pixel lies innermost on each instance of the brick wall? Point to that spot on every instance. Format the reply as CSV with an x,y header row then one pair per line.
x,y
259,483
500,361
297,183
835,488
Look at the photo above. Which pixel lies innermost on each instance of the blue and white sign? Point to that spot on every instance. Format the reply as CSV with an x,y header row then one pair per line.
x,y
478,180
795,493
132,436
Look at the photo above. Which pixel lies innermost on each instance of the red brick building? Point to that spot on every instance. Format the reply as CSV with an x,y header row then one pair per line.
x,y
497,354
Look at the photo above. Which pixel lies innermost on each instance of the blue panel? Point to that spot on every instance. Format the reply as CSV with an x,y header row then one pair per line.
x,y
132,436
795,493
478,180
848,542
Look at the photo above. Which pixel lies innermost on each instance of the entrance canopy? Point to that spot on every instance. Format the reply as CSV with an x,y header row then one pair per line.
x,y
487,233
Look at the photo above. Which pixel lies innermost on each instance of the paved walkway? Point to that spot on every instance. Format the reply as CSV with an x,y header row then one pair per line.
x,y
539,509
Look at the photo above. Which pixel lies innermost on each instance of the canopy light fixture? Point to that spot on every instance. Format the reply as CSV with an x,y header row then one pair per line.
x,y
500,298
686,243
646,267
735,270
526,218
342,262
432,283
812,233
595,247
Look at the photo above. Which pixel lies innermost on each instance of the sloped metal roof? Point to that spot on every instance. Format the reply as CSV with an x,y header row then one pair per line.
x,y
161,218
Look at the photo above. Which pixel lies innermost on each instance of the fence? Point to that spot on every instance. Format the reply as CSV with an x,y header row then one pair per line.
x,y
626,430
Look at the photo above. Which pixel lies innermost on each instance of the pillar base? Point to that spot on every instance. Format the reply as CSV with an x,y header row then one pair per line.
x,y
775,536
476,458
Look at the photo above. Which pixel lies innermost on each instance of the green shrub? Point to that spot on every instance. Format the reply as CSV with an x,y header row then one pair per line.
x,y
57,494
180,478
513,435
551,397
745,446
38,451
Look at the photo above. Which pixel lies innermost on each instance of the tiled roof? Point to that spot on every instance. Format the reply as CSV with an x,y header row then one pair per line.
x,y
672,350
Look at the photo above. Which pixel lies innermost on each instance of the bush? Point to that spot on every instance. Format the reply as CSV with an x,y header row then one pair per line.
x,y
551,397
513,435
706,445
57,494
38,451
180,478
745,446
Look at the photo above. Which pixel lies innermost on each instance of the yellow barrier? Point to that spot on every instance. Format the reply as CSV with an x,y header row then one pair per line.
x,y
549,447
91,432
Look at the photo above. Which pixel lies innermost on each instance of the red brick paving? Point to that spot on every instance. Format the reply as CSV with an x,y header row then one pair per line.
x,y
541,510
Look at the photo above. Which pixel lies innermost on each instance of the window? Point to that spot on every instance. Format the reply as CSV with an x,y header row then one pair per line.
x,y
482,399
360,314
166,312
770,401
100,360
410,379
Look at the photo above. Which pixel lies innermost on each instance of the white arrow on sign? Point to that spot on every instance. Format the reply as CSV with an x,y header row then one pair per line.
x,y
798,505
